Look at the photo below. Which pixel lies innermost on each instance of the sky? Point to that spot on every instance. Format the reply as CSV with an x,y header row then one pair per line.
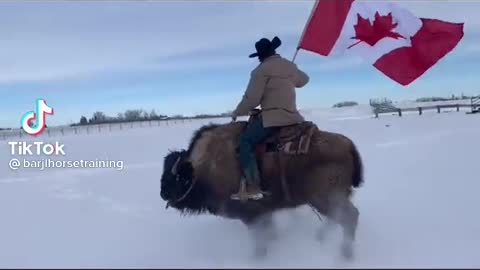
x,y
191,57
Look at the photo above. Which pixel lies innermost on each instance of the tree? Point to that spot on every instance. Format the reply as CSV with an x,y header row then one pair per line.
x,y
99,117
83,120
345,104
120,117
153,115
133,115
177,116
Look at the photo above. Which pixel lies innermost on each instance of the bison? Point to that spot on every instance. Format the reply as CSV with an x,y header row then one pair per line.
x,y
202,178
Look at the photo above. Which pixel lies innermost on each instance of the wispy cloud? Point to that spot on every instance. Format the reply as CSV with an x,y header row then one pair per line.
x,y
327,64
472,48
454,11
60,40
55,40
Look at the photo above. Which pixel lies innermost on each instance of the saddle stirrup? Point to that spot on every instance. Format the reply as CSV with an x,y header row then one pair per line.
x,y
243,195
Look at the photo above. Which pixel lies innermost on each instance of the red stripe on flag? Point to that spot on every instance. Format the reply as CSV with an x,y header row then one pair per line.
x,y
325,25
433,41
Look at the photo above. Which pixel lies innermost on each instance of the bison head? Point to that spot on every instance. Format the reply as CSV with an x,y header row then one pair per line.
x,y
177,177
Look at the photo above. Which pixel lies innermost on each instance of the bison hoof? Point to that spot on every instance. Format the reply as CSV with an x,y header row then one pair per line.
x,y
260,253
347,252
321,235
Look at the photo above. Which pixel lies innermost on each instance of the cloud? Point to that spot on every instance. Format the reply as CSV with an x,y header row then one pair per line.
x,y
453,11
56,40
326,64
472,48
61,40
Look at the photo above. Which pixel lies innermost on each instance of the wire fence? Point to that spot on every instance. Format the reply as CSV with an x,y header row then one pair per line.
x,y
103,128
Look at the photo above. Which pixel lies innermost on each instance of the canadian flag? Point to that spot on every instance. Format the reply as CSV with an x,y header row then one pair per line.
x,y
399,44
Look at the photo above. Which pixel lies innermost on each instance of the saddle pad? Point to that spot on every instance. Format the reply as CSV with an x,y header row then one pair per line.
x,y
292,140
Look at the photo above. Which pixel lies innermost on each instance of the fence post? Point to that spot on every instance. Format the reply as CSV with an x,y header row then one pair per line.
x,y
400,112
419,110
458,107
438,108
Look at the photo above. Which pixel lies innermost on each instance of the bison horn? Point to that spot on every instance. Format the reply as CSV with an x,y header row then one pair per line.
x,y
174,168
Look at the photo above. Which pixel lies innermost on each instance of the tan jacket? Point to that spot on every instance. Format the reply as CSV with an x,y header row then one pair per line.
x,y
272,86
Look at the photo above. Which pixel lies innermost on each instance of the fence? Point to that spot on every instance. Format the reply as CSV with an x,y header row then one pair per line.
x,y
475,102
382,106
420,109
100,128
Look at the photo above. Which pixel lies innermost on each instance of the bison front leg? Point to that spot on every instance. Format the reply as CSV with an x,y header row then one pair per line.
x,y
325,230
262,232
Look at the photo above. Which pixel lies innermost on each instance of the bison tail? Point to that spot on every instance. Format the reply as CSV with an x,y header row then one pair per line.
x,y
357,176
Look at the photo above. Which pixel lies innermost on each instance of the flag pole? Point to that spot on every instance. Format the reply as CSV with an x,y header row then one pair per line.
x,y
304,29
295,55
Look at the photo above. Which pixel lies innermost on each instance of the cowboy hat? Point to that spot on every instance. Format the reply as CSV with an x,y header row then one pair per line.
x,y
265,46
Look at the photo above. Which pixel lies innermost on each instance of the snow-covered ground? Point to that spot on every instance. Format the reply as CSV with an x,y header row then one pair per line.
x,y
419,204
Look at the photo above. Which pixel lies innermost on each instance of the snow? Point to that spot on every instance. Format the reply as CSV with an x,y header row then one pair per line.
x,y
419,204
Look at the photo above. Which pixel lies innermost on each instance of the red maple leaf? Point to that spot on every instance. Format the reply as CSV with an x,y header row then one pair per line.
x,y
382,28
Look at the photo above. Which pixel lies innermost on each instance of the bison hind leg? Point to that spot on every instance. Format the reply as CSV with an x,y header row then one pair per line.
x,y
340,210
348,219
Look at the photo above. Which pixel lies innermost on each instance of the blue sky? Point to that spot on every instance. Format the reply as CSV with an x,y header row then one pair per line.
x,y
191,57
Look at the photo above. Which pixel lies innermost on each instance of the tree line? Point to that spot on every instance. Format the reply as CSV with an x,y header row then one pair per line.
x,y
345,104
453,97
100,117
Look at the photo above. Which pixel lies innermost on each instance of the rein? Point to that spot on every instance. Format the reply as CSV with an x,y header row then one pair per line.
x,y
194,180
187,192
184,194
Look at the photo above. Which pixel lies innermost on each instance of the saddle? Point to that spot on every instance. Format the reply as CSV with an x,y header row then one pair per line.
x,y
292,140
287,140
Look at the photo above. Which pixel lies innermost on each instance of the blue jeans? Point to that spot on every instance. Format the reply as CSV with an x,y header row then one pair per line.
x,y
251,136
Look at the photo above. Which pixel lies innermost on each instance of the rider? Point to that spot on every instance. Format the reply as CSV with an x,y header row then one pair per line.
x,y
272,86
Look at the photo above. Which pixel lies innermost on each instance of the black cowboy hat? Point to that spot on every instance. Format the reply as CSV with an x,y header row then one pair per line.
x,y
265,46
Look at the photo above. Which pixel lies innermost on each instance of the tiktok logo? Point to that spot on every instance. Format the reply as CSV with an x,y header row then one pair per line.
x,y
39,116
